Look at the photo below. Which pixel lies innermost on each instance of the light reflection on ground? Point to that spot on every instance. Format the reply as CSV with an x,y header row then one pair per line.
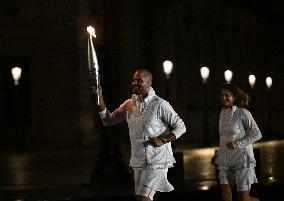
x,y
269,156
49,169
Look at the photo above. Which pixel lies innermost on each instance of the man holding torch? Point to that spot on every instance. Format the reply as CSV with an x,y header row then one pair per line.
x,y
153,125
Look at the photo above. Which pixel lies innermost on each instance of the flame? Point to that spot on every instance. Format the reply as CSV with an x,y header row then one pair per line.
x,y
91,31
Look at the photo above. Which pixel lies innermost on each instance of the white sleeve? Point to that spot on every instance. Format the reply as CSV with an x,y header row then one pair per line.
x,y
169,116
103,113
115,117
252,131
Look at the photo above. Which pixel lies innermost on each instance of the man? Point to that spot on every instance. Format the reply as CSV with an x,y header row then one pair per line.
x,y
149,118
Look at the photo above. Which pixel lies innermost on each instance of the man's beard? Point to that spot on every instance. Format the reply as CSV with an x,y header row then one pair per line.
x,y
137,90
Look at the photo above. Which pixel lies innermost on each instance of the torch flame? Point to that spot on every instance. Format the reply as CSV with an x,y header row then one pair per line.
x,y
91,31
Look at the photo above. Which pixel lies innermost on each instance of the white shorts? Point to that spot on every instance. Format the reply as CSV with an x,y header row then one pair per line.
x,y
148,181
243,178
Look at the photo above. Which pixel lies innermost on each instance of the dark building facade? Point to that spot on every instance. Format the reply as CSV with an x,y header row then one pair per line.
x,y
51,106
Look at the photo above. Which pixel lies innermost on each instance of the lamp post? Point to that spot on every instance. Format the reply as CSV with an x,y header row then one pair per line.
x,y
16,109
228,74
252,80
204,72
269,131
16,74
176,174
268,82
168,68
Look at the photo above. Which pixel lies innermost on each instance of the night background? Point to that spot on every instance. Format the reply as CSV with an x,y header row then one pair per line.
x,y
49,124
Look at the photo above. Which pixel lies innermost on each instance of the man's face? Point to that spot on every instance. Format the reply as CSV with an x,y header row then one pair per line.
x,y
140,83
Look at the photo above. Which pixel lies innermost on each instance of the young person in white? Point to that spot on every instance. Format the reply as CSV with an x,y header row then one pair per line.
x,y
238,130
149,118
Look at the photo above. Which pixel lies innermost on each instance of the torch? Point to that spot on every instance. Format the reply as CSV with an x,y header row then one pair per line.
x,y
93,62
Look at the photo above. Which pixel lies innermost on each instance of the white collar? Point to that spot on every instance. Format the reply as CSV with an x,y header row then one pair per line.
x,y
231,110
148,97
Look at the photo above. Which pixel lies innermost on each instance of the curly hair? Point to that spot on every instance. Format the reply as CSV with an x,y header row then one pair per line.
x,y
241,98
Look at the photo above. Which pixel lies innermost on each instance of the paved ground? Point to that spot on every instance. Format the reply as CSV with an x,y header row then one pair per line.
x,y
67,175
84,193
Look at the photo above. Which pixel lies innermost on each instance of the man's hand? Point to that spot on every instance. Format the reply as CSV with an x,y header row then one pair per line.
x,y
159,141
232,145
94,92
156,141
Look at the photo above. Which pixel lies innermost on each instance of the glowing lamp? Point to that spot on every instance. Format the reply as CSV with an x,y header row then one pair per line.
x,y
204,71
168,68
16,74
228,76
252,80
268,81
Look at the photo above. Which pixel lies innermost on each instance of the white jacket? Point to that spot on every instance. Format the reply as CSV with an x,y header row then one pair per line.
x,y
147,118
237,124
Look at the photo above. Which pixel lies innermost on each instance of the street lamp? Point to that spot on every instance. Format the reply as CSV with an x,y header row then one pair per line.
x,y
252,80
168,68
17,110
228,76
204,72
177,173
16,74
269,130
268,82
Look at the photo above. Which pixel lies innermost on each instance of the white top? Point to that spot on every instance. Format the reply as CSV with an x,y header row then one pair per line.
x,y
237,124
147,118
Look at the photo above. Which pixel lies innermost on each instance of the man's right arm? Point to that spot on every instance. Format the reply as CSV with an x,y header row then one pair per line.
x,y
107,118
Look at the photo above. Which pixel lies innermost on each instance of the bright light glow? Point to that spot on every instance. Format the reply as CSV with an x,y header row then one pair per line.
x,y
252,80
228,76
16,74
204,71
271,179
91,31
204,152
268,81
205,187
168,67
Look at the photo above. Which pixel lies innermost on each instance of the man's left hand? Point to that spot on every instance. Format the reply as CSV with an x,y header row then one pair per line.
x,y
156,141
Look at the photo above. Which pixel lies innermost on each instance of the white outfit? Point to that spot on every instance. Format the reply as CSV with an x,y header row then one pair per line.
x,y
147,118
148,181
237,166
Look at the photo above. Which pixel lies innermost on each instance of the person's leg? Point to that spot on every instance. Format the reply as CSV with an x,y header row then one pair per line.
x,y
243,196
243,193
145,193
143,198
247,176
226,192
253,199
